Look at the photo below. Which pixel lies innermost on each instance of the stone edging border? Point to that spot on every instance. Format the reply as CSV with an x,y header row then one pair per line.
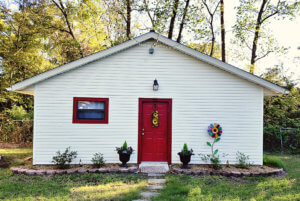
x,y
228,173
32,172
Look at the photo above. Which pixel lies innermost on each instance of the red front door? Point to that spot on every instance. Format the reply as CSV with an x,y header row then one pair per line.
x,y
155,140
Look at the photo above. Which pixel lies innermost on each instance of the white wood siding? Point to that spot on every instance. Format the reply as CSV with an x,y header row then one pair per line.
x,y
201,94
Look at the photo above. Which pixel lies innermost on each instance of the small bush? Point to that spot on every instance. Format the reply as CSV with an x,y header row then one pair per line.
x,y
273,161
63,160
98,160
215,160
243,160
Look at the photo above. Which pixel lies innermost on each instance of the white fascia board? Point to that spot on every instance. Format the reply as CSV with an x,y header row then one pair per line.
x,y
224,66
80,62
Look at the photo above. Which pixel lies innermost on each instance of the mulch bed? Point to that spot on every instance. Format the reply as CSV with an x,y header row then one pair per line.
x,y
41,170
227,170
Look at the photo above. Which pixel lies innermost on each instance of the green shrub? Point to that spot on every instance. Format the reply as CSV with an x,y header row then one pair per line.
x,y
18,113
63,160
243,160
216,162
273,161
214,159
98,160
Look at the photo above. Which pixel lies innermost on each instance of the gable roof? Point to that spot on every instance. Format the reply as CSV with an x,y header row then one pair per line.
x,y
18,87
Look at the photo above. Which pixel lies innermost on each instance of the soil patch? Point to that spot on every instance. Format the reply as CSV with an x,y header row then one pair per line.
x,y
6,145
230,168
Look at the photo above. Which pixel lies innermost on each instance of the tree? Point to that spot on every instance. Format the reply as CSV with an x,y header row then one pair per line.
x,y
183,20
21,51
158,13
252,19
205,48
128,19
65,10
172,21
222,30
211,11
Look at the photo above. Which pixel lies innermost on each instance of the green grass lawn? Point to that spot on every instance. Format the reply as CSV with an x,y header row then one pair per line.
x,y
66,187
128,187
191,188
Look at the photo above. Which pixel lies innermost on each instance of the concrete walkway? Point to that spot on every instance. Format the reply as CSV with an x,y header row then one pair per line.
x,y
155,183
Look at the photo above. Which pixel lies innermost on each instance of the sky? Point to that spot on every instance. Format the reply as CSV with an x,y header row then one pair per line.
x,y
286,32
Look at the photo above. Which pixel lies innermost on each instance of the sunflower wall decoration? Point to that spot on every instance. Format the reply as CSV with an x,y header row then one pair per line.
x,y
215,131
155,122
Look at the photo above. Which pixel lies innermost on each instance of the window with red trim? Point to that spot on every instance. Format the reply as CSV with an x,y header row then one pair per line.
x,y
90,110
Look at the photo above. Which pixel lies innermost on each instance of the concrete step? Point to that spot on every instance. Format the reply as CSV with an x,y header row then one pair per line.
x,y
140,200
155,175
149,194
156,181
154,167
154,187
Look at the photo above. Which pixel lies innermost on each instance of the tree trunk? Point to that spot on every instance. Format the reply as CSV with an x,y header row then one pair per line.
x,y
223,31
213,39
128,20
256,36
172,22
183,20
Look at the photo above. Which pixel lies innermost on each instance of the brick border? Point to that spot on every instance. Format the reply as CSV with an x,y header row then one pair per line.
x,y
32,172
276,172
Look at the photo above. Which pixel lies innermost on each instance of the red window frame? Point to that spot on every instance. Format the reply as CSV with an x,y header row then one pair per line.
x,y
90,121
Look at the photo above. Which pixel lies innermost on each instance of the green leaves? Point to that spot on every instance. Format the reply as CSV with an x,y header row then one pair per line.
x,y
216,151
218,139
208,143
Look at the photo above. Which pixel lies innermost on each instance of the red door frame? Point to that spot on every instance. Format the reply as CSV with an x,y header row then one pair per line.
x,y
169,130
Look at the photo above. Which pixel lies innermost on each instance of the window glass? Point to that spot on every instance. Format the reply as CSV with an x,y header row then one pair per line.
x,y
90,114
97,105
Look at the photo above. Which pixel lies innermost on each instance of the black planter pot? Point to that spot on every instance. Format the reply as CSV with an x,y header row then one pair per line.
x,y
124,158
185,159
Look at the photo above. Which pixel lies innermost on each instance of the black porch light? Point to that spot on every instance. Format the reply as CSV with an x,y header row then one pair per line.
x,y
155,85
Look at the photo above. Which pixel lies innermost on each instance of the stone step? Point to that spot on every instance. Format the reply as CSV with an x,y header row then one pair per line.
x,y
156,181
149,194
154,187
155,175
140,200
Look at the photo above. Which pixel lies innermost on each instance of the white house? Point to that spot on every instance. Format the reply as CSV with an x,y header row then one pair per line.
x,y
96,103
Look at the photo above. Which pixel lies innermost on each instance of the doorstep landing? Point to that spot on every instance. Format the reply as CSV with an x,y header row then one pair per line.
x,y
154,167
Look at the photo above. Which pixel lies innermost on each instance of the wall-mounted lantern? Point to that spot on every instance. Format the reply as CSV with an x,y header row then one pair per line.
x,y
151,50
155,85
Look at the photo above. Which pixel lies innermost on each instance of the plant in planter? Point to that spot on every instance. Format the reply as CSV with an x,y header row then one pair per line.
x,y
185,156
124,154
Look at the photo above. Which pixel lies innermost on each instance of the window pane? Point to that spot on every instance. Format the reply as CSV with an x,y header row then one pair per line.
x,y
96,105
99,115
